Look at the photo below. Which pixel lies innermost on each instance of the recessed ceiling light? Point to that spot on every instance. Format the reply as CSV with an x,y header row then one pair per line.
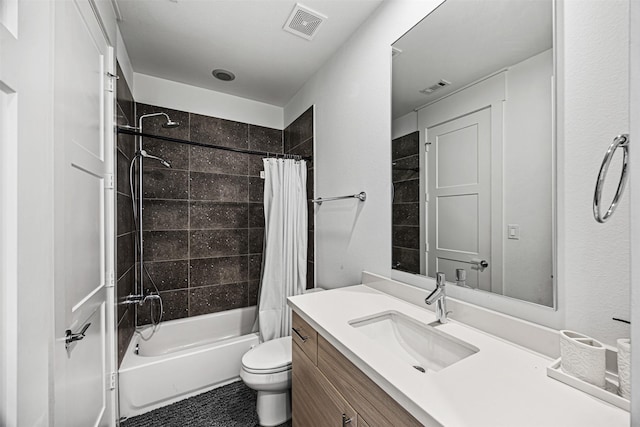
x,y
224,75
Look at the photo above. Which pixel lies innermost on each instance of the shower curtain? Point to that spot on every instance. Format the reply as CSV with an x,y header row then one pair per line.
x,y
284,264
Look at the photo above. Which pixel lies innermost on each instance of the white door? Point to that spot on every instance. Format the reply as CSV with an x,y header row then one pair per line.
x,y
459,198
83,218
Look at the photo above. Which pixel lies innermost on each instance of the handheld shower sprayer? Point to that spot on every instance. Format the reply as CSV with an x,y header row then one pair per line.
x,y
143,153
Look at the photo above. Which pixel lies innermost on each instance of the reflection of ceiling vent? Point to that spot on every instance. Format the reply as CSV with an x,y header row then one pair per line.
x,y
395,51
304,22
435,87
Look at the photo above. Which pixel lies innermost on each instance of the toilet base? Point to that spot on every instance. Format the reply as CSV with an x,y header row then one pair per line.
x,y
273,407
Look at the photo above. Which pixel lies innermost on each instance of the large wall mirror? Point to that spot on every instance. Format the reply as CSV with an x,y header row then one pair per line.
x,y
473,148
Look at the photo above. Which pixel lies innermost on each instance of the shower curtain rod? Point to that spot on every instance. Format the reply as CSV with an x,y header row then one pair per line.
x,y
127,131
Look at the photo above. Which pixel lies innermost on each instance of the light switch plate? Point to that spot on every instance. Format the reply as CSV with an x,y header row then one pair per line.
x,y
513,231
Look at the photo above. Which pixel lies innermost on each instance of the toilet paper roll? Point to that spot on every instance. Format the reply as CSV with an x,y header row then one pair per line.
x,y
582,357
624,367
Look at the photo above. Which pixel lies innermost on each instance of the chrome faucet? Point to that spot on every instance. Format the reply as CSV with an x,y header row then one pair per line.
x,y
140,299
439,296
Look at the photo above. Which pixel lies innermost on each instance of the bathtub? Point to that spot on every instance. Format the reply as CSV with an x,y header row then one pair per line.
x,y
183,358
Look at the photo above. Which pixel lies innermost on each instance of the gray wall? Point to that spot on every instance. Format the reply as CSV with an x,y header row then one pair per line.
x,y
204,217
405,232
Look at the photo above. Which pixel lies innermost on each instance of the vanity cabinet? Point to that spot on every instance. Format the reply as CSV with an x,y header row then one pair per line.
x,y
328,390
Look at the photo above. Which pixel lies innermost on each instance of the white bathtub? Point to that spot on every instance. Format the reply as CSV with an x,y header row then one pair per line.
x,y
184,357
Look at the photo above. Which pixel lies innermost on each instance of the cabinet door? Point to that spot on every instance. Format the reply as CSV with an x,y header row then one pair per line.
x,y
316,403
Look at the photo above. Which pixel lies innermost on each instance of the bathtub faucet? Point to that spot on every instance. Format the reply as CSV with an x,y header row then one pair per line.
x,y
133,299
140,299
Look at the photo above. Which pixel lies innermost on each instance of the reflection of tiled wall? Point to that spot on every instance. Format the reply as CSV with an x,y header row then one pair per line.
x,y
406,206
204,217
125,271
298,139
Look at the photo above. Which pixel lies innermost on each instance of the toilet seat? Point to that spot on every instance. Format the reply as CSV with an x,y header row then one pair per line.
x,y
268,358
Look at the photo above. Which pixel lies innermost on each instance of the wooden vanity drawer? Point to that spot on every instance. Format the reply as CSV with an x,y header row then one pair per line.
x,y
360,391
305,337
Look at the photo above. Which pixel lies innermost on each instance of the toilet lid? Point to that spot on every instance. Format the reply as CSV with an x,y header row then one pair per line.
x,y
269,356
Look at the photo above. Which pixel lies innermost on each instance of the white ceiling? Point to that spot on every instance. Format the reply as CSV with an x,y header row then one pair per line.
x,y
463,41
184,40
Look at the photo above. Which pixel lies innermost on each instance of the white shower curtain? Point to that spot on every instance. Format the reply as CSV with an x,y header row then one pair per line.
x,y
284,264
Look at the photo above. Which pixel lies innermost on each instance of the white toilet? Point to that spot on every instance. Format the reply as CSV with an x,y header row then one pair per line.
x,y
267,369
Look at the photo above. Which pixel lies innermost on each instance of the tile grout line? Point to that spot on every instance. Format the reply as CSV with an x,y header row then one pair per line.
x,y
248,223
398,159
189,221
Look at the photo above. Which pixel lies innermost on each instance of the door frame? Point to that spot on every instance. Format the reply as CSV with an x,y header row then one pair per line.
x,y
634,130
26,200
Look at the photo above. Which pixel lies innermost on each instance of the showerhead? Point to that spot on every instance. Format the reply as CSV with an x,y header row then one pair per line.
x,y
170,124
143,153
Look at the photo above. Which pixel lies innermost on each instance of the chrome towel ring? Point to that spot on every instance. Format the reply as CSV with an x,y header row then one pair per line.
x,y
618,141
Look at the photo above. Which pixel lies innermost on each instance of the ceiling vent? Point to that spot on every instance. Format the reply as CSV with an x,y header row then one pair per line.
x,y
435,87
304,22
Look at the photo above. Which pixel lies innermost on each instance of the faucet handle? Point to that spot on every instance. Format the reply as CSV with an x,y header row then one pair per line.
x,y
438,292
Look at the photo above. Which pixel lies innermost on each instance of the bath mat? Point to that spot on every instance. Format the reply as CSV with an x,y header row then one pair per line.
x,y
233,405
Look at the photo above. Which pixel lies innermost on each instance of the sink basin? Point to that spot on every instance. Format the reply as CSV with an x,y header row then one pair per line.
x,y
422,346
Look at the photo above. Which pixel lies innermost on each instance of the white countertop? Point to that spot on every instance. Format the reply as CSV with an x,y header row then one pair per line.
x,y
501,385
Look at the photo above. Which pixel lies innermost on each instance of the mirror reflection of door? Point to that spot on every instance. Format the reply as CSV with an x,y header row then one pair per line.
x,y
459,198
467,57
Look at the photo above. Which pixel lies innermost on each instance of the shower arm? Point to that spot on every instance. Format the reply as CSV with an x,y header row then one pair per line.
x,y
144,116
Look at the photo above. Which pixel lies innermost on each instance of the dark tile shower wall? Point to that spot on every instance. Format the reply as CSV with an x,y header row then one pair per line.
x,y
406,203
204,217
125,261
298,139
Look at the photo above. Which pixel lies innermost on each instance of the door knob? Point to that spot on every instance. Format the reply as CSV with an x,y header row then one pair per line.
x,y
482,264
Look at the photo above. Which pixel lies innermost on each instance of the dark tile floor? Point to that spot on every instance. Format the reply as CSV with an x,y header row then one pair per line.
x,y
233,405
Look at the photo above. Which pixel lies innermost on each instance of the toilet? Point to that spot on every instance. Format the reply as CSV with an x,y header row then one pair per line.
x,y
266,368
